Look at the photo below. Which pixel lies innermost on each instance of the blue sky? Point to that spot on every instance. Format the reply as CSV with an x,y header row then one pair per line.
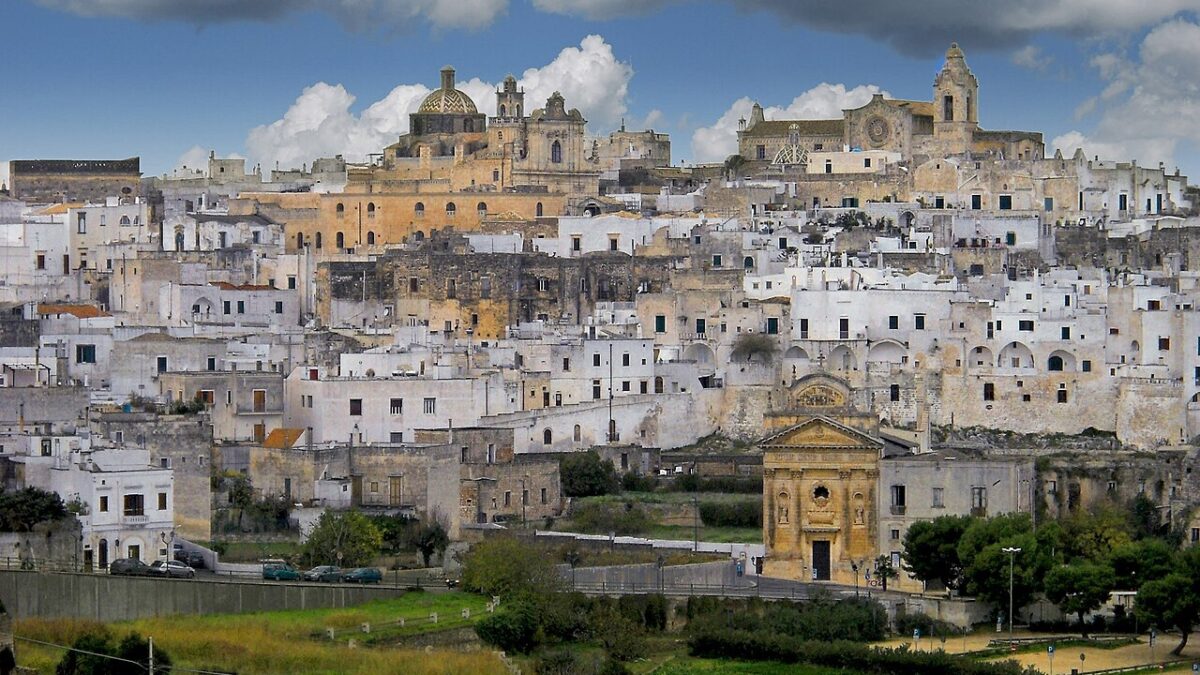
x,y
133,77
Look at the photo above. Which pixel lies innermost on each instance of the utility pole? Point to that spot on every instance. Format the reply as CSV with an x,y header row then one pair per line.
x,y
151,656
610,393
695,523
1012,552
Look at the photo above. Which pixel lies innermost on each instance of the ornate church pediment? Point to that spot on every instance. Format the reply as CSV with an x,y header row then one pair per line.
x,y
819,392
819,432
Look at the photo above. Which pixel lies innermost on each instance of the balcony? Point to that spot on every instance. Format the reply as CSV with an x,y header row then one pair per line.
x,y
899,509
979,511
135,520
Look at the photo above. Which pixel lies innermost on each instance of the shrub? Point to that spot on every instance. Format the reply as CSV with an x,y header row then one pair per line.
x,y
732,514
514,628
929,626
635,482
621,518
585,475
691,482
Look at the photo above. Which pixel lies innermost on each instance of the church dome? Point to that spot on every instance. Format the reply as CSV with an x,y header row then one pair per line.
x,y
448,100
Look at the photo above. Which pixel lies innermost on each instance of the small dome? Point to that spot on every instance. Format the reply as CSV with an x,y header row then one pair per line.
x,y
954,52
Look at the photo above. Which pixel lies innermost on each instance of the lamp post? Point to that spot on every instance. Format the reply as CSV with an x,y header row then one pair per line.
x,y
1012,552
854,566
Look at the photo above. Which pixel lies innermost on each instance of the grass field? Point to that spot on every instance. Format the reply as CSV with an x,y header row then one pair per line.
x,y
716,535
284,642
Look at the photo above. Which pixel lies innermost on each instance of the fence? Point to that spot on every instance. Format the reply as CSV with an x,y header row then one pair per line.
x,y
433,621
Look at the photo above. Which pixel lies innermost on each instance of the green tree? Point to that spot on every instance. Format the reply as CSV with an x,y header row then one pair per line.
x,y
509,568
733,166
431,538
514,628
585,475
21,509
931,550
621,637
349,533
1093,534
1079,588
885,571
1146,518
1137,562
1170,602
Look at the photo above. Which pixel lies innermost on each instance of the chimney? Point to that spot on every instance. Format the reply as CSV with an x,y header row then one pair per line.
x,y
448,78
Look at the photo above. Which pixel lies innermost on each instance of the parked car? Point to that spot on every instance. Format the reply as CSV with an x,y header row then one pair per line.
x,y
280,571
192,559
324,573
129,567
363,575
173,569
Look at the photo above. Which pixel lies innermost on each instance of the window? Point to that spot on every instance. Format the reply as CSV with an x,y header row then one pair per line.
x,y
596,359
1048,204
1055,364
340,239
481,209
1026,326
507,498
162,364
556,152
893,322
760,152
356,407
162,501
701,327
1164,344
543,495
596,389
85,353
208,396
452,289
804,329
241,304
547,437
485,288
279,307
320,239
538,210
898,496
419,210
844,328
948,108
212,363
1010,238
894,392
340,209
976,202
772,325
135,505
625,360
104,504
1005,202
660,324
1062,395
41,261
451,209
989,391
1085,366
716,261
430,406
919,322
978,498
1066,332
612,243
226,307
939,498
397,406
866,162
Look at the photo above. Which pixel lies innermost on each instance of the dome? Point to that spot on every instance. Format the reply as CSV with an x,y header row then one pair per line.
x,y
448,100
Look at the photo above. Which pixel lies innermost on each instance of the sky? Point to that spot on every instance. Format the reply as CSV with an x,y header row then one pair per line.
x,y
281,82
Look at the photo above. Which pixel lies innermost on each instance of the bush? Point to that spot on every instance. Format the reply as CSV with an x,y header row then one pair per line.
x,y
601,518
690,482
732,514
929,626
514,628
583,474
818,619
635,482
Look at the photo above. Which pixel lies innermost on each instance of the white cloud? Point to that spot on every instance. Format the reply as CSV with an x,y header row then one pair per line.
x,y
322,123
356,14
1032,58
825,101
1149,109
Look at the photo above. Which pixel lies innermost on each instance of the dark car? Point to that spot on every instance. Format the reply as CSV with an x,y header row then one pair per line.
x,y
280,571
129,567
324,573
363,575
173,569
190,558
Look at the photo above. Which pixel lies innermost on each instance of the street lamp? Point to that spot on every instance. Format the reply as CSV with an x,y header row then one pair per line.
x,y
1012,552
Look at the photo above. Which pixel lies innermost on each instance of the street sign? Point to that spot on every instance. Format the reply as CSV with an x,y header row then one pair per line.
x,y
1050,649
916,633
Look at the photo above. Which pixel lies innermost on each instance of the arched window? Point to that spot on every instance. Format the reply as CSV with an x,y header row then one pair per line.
x,y
658,385
370,238
578,435
556,152
503,110
748,263
518,110
370,209
341,240
546,437
419,210
1055,363
299,240
341,209
481,207
124,220
318,240
539,210
451,209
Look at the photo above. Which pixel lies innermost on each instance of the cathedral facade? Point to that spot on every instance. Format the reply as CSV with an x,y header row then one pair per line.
x,y
946,126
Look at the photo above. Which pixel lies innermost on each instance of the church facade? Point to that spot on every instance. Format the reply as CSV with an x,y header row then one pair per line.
x,y
946,126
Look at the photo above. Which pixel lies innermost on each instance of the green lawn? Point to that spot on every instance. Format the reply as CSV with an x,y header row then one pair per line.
x,y
674,497
718,535
287,642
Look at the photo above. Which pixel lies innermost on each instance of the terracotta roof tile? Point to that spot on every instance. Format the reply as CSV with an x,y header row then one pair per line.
x,y
80,311
282,438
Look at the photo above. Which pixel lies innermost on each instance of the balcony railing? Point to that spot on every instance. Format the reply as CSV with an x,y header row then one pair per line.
x,y
899,509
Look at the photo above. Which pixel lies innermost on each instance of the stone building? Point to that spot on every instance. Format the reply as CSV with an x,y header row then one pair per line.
x,y
43,181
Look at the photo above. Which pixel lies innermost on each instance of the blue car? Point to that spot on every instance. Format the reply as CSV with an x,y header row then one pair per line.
x,y
363,575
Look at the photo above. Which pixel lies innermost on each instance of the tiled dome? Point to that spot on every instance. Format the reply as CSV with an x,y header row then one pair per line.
x,y
448,100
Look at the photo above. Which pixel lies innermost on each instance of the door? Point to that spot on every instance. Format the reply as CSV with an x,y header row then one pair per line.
x,y
820,560
87,560
135,552
103,554
260,400
396,490
356,490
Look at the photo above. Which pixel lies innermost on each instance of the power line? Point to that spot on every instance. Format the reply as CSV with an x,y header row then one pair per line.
x,y
175,669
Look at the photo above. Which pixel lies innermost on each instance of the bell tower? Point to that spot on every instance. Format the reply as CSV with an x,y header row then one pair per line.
x,y
955,102
509,101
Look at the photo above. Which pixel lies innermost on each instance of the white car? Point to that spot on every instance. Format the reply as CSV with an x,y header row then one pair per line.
x,y
172,568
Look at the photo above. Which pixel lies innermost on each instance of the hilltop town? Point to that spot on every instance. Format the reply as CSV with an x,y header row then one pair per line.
x,y
873,321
